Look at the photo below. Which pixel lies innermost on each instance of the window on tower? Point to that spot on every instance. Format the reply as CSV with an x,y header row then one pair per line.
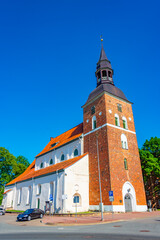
x,y
125,164
109,74
94,122
98,78
125,123
104,73
124,141
117,120
98,75
92,110
119,107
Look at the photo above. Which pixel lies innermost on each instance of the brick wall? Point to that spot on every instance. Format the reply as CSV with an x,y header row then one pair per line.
x,y
111,154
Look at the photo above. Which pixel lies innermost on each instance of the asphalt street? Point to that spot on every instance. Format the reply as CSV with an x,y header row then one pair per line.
x,y
128,230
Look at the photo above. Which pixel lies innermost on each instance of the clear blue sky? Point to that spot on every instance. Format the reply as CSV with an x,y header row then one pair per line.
x,y
48,55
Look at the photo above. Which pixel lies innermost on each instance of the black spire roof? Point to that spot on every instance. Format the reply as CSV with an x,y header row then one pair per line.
x,y
103,60
105,82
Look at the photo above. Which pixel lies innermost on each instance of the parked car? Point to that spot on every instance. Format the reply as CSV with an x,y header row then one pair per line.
x,y
2,211
30,214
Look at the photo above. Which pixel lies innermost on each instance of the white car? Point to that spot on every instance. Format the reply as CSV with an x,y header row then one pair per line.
x,y
2,211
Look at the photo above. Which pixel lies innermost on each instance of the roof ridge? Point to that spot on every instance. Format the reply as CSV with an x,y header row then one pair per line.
x,y
66,131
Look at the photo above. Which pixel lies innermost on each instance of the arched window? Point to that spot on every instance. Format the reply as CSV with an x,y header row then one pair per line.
x,y
117,120
38,189
51,161
28,196
62,157
125,164
109,74
99,75
94,123
76,199
125,123
124,141
19,195
75,152
41,166
104,73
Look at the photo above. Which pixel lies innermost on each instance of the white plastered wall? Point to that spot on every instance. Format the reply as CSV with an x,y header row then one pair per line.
x,y
67,150
129,189
77,174
8,197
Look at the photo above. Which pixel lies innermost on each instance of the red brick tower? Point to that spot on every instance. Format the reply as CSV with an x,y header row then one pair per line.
x,y
108,117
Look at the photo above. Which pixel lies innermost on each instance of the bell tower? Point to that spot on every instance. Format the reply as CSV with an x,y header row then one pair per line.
x,y
104,71
108,120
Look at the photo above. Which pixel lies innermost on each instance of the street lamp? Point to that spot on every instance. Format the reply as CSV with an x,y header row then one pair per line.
x,y
99,178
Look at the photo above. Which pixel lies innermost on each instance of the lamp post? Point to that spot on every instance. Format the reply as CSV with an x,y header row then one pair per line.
x,y
76,187
99,178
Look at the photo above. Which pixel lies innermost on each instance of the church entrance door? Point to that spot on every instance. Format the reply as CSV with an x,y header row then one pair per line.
x,y
128,203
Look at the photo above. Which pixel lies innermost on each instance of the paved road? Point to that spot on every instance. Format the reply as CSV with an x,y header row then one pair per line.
x,y
71,236
127,230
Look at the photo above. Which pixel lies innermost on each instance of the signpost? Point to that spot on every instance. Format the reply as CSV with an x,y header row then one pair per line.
x,y
64,197
50,204
111,199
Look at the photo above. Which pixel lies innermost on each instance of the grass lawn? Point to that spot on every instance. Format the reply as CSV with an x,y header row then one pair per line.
x,y
16,211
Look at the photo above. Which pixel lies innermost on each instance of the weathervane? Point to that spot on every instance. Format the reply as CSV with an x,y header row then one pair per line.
x,y
101,38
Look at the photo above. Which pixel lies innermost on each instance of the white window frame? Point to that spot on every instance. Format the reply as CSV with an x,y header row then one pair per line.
x,y
19,196
124,141
39,188
28,195
94,120
78,204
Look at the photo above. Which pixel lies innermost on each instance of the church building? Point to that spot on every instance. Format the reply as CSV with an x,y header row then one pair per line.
x,y
96,161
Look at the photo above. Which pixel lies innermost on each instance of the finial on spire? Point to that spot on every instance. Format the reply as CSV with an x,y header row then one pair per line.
x,y
101,38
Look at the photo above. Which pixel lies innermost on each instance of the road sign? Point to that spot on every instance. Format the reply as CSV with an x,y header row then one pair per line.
x,y
51,197
64,196
110,193
111,198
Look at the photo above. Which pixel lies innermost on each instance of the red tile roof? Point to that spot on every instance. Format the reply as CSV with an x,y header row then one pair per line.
x,y
7,191
63,139
28,171
31,173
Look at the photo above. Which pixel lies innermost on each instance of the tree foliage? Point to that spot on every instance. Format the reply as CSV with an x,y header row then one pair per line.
x,y
150,162
10,168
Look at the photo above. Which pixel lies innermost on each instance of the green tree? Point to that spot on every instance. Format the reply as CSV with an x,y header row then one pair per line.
x,y
150,162
10,168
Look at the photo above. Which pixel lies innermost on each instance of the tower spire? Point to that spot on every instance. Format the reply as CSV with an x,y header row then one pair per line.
x,y
104,71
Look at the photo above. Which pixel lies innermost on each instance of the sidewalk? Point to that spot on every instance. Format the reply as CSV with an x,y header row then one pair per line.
x,y
96,218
